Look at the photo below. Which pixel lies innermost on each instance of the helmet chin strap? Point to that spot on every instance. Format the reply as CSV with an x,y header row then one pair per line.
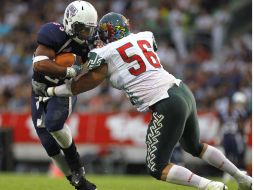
x,y
79,41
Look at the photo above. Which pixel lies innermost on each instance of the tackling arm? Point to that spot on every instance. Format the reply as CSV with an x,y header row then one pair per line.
x,y
84,83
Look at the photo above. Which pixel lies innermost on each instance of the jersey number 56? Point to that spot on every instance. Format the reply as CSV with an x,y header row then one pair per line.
x,y
150,56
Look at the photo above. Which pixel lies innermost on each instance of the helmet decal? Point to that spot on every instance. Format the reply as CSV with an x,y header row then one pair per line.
x,y
113,26
71,11
120,32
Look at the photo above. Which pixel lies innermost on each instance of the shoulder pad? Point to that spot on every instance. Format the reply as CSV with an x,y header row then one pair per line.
x,y
150,35
52,35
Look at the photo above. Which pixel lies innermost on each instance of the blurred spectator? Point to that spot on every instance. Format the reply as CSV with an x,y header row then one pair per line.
x,y
248,151
234,131
176,27
203,27
221,19
167,55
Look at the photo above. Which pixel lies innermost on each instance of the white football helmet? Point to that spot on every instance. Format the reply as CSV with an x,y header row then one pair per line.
x,y
80,19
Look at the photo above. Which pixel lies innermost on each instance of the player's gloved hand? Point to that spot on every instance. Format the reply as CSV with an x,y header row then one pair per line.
x,y
74,70
39,89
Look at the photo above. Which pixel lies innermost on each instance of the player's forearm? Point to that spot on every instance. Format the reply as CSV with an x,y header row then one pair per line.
x,y
66,90
44,64
78,86
49,68
85,83
61,91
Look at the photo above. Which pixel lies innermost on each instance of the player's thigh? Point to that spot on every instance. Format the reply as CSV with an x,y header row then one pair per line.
x,y
165,130
57,111
38,114
190,140
37,110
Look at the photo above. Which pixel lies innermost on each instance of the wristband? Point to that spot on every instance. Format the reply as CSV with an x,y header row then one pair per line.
x,y
70,72
51,91
63,90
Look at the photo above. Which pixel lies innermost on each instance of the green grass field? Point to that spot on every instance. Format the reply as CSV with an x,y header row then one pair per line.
x,y
104,182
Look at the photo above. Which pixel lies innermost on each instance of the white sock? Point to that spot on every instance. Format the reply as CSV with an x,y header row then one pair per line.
x,y
182,176
60,162
215,157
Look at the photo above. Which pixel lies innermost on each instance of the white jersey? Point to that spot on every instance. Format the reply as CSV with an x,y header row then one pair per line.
x,y
133,66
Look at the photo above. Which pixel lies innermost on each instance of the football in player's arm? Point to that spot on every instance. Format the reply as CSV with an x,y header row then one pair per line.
x,y
131,64
61,48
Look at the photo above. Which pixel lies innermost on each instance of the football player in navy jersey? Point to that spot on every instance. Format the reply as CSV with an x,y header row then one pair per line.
x,y
49,114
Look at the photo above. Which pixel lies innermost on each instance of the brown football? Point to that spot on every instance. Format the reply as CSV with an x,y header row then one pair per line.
x,y
65,59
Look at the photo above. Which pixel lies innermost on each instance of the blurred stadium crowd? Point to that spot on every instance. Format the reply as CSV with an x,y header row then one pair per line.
x,y
199,41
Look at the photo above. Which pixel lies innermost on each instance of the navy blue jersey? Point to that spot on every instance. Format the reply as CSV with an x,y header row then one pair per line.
x,y
53,36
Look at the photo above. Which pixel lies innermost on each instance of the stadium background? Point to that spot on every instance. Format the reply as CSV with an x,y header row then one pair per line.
x,y
205,43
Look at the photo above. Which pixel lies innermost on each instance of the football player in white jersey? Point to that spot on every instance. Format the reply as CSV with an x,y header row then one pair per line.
x,y
131,64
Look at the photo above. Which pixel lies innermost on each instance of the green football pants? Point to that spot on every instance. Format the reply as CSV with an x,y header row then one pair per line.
x,y
174,120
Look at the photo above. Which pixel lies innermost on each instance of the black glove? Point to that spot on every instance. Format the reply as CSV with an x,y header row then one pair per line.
x,y
40,89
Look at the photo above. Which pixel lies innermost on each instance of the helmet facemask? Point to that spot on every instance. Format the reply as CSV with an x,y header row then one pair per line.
x,y
82,31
